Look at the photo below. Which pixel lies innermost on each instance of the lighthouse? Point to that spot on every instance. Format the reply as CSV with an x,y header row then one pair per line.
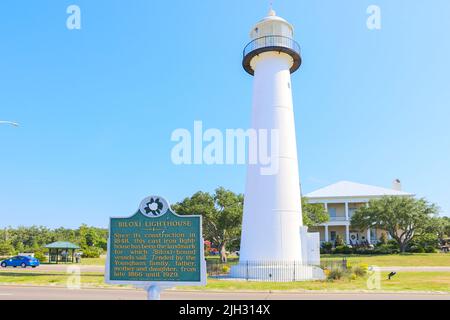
x,y
271,243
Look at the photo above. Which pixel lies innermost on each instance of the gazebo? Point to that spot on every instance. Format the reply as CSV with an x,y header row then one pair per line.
x,y
60,252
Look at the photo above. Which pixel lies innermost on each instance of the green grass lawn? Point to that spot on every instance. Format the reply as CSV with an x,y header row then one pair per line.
x,y
403,281
49,278
93,261
398,260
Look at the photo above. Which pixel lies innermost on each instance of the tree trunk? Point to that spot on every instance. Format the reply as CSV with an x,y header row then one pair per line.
x,y
403,246
223,253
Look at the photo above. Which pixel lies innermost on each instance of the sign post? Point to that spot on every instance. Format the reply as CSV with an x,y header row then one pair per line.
x,y
155,249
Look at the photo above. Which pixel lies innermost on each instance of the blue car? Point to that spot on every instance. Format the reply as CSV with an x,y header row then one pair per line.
x,y
20,261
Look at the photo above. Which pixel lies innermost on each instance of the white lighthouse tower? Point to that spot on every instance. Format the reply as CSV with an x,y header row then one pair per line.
x,y
271,244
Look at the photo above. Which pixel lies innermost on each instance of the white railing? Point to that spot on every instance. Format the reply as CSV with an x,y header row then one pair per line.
x,y
338,219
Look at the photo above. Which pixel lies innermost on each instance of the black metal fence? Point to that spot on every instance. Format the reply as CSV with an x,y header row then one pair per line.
x,y
330,264
274,270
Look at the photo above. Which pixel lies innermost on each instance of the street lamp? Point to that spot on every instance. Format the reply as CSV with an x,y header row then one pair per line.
x,y
15,124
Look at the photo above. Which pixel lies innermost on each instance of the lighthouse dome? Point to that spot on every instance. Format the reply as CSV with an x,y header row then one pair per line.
x,y
272,25
272,34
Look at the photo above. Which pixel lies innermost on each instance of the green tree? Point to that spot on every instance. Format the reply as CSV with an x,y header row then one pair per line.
x,y
447,226
222,216
313,213
91,237
442,227
6,248
403,217
34,238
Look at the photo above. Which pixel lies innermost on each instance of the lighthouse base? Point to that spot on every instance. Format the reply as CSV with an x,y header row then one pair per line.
x,y
276,271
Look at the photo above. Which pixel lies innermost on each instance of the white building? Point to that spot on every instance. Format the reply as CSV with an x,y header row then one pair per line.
x,y
341,200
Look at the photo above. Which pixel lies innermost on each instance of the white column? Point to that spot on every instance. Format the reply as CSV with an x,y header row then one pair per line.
x,y
326,233
346,210
347,233
368,235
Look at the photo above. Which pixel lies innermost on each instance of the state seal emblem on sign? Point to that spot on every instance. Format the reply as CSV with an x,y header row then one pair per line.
x,y
153,207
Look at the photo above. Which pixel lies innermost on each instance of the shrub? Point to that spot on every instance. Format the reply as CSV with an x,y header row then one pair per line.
x,y
326,247
335,274
39,254
363,250
386,249
92,252
392,242
430,249
343,250
428,242
225,269
359,271
416,249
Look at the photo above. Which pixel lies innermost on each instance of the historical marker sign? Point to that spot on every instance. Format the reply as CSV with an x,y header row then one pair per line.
x,y
156,247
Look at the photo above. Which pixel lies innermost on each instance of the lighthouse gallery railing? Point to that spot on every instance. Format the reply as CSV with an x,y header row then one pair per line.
x,y
272,42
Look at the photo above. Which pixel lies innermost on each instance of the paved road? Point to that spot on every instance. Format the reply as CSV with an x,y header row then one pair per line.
x,y
56,293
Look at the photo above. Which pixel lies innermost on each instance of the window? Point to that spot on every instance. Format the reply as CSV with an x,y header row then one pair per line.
x,y
333,235
351,212
373,234
332,212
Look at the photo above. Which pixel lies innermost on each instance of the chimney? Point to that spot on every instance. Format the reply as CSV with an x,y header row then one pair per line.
x,y
397,185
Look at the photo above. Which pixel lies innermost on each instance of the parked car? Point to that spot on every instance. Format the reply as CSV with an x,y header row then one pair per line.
x,y
20,261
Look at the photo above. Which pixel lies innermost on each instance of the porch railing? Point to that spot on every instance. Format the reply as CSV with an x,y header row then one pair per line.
x,y
338,218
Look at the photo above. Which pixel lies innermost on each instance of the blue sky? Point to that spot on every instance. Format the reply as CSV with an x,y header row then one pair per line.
x,y
97,106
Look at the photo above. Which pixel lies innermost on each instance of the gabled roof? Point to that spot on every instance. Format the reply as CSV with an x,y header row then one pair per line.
x,y
347,189
62,245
